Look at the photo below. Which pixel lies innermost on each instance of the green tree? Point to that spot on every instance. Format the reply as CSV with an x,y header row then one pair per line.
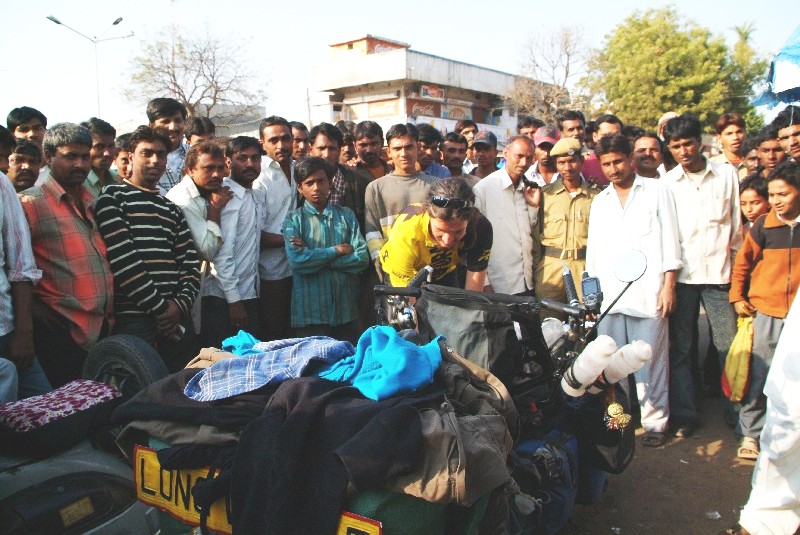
x,y
208,75
657,61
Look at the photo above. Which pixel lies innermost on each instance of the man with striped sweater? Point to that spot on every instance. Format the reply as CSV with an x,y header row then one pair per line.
x,y
151,252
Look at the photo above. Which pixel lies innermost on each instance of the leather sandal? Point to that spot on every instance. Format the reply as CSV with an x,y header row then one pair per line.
x,y
748,449
654,439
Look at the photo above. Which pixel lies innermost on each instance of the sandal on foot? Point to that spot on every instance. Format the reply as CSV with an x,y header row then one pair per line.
x,y
748,449
654,439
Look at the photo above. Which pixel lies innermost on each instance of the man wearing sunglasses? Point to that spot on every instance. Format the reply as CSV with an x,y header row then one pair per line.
x,y
440,233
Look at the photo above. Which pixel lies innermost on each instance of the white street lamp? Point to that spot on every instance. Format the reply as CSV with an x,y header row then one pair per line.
x,y
94,41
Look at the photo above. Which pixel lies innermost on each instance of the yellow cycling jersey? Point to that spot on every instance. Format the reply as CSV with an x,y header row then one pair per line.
x,y
410,247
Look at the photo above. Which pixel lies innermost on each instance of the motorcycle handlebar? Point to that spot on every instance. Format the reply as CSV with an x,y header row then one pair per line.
x,y
500,299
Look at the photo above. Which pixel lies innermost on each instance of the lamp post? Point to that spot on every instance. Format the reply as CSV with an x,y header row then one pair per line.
x,y
94,41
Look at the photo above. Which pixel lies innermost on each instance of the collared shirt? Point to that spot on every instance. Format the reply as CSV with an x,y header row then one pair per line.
x,y
534,175
206,234
437,171
513,221
325,285
709,222
646,223
234,272
338,188
565,216
174,172
741,169
76,278
281,198
16,256
92,182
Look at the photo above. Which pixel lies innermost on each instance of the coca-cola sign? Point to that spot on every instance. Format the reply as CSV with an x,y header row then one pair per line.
x,y
423,108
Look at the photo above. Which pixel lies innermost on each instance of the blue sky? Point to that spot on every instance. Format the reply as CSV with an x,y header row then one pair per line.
x,y
49,67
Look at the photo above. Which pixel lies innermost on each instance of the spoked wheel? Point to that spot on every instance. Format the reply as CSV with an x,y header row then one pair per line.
x,y
125,362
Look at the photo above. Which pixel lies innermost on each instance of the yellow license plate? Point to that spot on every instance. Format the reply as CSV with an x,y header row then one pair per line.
x,y
171,491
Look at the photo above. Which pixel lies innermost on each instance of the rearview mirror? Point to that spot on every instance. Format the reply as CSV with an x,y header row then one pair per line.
x,y
630,266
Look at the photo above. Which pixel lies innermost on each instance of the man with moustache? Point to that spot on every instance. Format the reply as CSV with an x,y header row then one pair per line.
x,y
485,150
368,138
201,197
454,150
151,252
24,164
647,155
543,171
72,305
300,144
277,182
510,205
637,213
102,155
230,292
564,213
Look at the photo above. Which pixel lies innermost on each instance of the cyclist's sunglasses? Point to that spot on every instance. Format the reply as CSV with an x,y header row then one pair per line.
x,y
446,202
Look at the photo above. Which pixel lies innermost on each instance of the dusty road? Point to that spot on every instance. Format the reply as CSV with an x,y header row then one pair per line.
x,y
672,489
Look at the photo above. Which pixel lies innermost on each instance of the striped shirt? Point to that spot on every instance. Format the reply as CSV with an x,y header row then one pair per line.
x,y
150,250
16,256
325,285
76,278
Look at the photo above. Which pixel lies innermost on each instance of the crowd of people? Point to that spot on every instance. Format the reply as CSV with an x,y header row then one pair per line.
x,y
182,238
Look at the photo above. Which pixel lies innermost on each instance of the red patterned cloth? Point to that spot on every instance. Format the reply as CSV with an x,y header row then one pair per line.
x,y
35,412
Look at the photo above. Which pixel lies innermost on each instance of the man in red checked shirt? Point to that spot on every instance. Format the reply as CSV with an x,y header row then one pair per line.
x,y
72,307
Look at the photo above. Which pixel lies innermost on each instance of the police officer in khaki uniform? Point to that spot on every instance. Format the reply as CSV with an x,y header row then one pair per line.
x,y
564,217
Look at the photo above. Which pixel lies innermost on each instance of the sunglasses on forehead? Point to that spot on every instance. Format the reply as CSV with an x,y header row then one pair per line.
x,y
446,202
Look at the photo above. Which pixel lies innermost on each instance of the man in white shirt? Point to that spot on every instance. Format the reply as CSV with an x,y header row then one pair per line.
x,y
647,158
774,503
543,170
276,180
201,197
709,228
512,209
230,292
637,213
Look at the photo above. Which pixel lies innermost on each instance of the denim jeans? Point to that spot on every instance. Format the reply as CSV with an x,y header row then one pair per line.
x,y
16,385
722,319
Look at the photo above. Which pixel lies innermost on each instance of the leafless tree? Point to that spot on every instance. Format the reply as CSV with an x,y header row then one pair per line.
x,y
553,62
207,74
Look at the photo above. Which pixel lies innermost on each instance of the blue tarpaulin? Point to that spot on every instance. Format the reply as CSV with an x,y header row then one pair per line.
x,y
783,79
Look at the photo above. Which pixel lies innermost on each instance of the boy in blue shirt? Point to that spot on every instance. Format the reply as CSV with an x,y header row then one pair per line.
x,y
326,251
